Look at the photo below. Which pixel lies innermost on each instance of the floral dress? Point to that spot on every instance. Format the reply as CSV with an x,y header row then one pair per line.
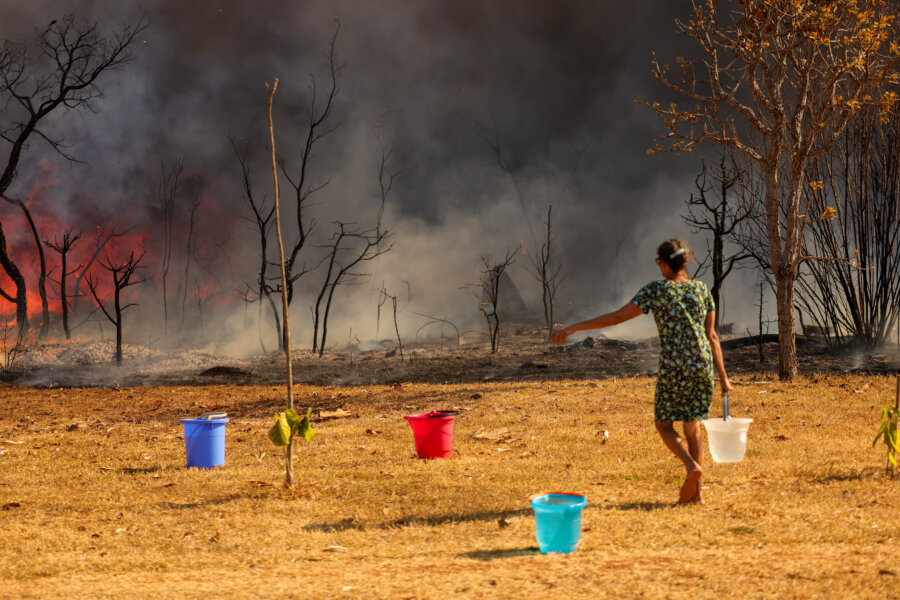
x,y
684,387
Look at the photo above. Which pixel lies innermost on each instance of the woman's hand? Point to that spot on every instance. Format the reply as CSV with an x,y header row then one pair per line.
x,y
559,338
726,385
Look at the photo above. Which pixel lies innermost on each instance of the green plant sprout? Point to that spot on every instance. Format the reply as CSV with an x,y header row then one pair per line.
x,y
288,424
888,431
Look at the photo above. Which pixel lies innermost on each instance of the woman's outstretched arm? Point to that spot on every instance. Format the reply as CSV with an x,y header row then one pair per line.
x,y
629,311
716,348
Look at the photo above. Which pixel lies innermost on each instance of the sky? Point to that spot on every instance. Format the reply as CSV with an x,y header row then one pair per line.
x,y
491,111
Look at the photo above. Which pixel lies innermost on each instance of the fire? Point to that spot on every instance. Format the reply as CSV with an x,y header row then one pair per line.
x,y
138,230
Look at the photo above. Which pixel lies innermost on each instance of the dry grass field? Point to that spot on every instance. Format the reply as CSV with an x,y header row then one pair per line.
x,y
95,500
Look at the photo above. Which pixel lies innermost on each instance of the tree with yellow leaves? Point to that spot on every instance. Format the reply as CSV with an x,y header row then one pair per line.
x,y
778,81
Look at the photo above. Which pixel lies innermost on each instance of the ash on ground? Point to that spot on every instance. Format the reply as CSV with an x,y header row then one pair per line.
x,y
523,356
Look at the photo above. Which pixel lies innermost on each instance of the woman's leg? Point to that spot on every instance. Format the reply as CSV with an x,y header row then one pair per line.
x,y
694,441
690,491
695,448
672,441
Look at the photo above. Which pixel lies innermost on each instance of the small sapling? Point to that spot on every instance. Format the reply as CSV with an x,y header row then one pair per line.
x,y
888,431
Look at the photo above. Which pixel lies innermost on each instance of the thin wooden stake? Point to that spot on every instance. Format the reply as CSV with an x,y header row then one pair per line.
x,y
288,451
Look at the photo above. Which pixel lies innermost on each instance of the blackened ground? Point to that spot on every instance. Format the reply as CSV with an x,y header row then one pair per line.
x,y
523,356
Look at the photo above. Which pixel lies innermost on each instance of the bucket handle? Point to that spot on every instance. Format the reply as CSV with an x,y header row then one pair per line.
x,y
725,411
213,415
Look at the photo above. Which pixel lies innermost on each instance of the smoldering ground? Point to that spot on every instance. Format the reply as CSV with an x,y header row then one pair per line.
x,y
492,111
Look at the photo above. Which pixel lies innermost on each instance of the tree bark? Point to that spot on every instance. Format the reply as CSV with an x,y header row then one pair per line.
x,y
787,344
19,281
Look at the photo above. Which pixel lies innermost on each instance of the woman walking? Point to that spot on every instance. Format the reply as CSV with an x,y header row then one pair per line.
x,y
685,317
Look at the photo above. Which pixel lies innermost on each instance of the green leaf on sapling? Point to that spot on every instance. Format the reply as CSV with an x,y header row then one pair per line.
x,y
293,419
280,434
304,429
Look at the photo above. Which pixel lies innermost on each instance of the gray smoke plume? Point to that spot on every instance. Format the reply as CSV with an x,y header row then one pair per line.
x,y
493,108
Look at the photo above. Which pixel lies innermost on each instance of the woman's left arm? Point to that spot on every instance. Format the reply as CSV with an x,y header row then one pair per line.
x,y
718,360
627,312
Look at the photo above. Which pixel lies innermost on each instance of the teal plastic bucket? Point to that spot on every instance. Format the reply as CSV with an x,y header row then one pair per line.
x,y
204,441
557,517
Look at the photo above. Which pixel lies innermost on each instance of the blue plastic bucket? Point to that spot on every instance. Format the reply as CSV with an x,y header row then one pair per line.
x,y
557,517
204,441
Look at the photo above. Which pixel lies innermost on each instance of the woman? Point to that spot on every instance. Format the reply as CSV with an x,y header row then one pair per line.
x,y
685,317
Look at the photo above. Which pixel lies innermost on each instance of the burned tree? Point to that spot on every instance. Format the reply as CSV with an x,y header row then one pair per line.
x,y
711,210
169,180
548,273
778,81
189,250
122,273
63,247
349,248
490,294
318,126
383,297
32,89
852,286
263,213
102,238
364,246
42,261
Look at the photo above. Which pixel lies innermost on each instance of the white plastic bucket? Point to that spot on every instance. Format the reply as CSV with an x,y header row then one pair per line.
x,y
727,438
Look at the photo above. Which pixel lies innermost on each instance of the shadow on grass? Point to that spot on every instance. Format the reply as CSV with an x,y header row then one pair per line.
x,y
486,555
351,523
143,470
203,503
643,506
837,475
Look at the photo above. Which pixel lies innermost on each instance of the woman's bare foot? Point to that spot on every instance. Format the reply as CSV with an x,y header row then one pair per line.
x,y
691,488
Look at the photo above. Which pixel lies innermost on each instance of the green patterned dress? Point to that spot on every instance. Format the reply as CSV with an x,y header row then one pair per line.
x,y
685,383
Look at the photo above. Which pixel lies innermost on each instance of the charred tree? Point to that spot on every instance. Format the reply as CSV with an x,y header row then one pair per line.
x,y
102,239
362,246
318,126
42,264
383,297
490,295
189,251
122,274
78,55
63,247
711,210
547,273
263,219
348,249
850,284
169,181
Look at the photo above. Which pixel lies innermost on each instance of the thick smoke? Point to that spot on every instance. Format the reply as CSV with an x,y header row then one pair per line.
x,y
493,109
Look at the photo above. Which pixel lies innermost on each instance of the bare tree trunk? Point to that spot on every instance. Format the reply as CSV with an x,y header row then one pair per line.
x,y
21,297
121,275
42,276
718,266
64,300
787,345
187,260
289,456
63,247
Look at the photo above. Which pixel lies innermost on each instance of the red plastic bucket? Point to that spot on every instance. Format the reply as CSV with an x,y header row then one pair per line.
x,y
433,433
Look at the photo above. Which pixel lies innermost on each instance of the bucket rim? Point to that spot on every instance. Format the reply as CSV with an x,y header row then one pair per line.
x,y
216,421
736,420
581,503
435,414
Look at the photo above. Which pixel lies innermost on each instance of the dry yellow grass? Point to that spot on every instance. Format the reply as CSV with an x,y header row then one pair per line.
x,y
96,501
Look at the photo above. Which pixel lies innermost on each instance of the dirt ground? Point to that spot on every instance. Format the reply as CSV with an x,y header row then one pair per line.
x,y
96,502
